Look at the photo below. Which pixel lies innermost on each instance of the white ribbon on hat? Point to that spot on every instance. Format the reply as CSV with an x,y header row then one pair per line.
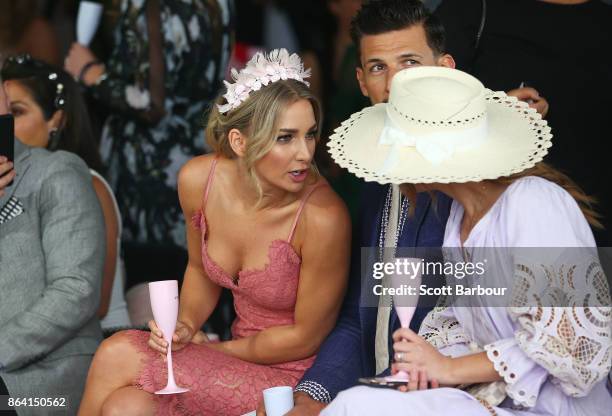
x,y
434,147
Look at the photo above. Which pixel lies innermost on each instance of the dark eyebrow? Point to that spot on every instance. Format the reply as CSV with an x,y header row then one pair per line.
x,y
410,55
402,56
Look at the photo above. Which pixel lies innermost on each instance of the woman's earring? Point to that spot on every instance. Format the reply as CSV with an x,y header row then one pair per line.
x,y
53,139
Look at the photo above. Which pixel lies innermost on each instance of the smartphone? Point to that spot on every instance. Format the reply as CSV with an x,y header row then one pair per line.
x,y
7,138
381,382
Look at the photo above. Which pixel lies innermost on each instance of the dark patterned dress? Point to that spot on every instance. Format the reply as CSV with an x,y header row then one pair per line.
x,y
167,65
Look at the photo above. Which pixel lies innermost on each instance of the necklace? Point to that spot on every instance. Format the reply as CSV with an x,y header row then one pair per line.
x,y
384,221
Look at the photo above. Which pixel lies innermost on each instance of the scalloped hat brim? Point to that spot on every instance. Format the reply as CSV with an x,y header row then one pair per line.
x,y
517,139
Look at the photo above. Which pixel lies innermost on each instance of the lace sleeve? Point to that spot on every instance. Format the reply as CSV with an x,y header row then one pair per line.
x,y
441,329
560,335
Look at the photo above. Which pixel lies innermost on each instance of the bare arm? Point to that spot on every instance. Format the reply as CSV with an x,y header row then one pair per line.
x,y
473,368
417,354
325,231
111,225
199,295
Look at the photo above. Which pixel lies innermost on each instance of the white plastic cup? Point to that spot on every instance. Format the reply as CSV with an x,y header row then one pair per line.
x,y
88,19
278,400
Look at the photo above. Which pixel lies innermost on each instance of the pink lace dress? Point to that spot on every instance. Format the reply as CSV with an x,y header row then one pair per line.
x,y
221,384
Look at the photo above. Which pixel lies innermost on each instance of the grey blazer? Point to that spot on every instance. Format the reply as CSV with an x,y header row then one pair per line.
x,y
52,249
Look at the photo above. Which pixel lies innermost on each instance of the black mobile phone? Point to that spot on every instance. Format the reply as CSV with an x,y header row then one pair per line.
x,y
381,382
7,138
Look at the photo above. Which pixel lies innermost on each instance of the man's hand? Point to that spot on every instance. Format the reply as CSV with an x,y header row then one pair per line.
x,y
532,97
304,406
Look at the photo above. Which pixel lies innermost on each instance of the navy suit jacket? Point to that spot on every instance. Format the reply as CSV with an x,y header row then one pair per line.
x,y
348,352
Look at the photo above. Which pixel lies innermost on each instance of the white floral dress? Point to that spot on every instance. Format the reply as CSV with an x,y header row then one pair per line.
x,y
553,360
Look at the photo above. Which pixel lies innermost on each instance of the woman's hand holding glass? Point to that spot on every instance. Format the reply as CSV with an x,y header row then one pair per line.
x,y
426,366
183,335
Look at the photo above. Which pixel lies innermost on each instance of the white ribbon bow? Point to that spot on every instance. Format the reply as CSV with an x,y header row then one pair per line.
x,y
434,147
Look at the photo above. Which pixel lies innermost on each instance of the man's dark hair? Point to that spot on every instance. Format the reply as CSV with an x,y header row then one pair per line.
x,y
381,16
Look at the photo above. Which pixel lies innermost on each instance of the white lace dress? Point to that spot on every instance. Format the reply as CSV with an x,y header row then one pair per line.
x,y
553,360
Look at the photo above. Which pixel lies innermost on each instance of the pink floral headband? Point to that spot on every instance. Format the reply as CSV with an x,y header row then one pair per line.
x,y
260,71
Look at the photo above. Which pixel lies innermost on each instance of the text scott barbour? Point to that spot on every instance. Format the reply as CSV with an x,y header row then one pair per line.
x,y
405,274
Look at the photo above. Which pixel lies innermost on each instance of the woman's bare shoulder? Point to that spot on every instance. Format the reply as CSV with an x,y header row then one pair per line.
x,y
195,171
325,209
193,176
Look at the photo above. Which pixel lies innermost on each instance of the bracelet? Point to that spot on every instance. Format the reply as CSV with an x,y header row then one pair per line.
x,y
86,68
314,390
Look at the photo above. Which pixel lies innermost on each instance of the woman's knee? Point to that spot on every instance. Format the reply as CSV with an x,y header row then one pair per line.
x,y
129,401
116,351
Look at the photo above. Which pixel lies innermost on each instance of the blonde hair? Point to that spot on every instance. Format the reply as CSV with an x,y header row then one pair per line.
x,y
542,170
257,118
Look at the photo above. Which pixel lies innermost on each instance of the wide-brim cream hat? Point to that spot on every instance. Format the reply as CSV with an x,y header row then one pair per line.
x,y
440,125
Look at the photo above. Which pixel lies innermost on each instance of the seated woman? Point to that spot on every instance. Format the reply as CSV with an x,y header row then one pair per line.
x,y
50,113
51,237
444,131
261,222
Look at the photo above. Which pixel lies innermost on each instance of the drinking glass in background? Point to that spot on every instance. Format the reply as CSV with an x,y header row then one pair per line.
x,y
88,19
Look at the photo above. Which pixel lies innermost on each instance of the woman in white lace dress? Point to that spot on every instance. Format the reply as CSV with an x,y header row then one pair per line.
x,y
548,350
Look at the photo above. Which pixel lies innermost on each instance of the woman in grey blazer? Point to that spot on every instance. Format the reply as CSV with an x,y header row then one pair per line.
x,y
51,257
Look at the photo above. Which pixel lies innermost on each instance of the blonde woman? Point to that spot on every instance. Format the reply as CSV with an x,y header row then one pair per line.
x,y
546,348
261,222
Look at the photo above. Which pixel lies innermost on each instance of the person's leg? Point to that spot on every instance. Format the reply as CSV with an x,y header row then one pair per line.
x,y
116,365
128,401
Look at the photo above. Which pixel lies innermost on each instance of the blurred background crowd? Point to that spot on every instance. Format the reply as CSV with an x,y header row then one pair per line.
x,y
154,67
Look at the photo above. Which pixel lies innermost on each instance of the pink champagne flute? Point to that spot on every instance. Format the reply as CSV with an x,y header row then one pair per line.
x,y
164,304
405,305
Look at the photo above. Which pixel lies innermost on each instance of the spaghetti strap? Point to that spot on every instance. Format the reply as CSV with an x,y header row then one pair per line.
x,y
209,182
299,211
